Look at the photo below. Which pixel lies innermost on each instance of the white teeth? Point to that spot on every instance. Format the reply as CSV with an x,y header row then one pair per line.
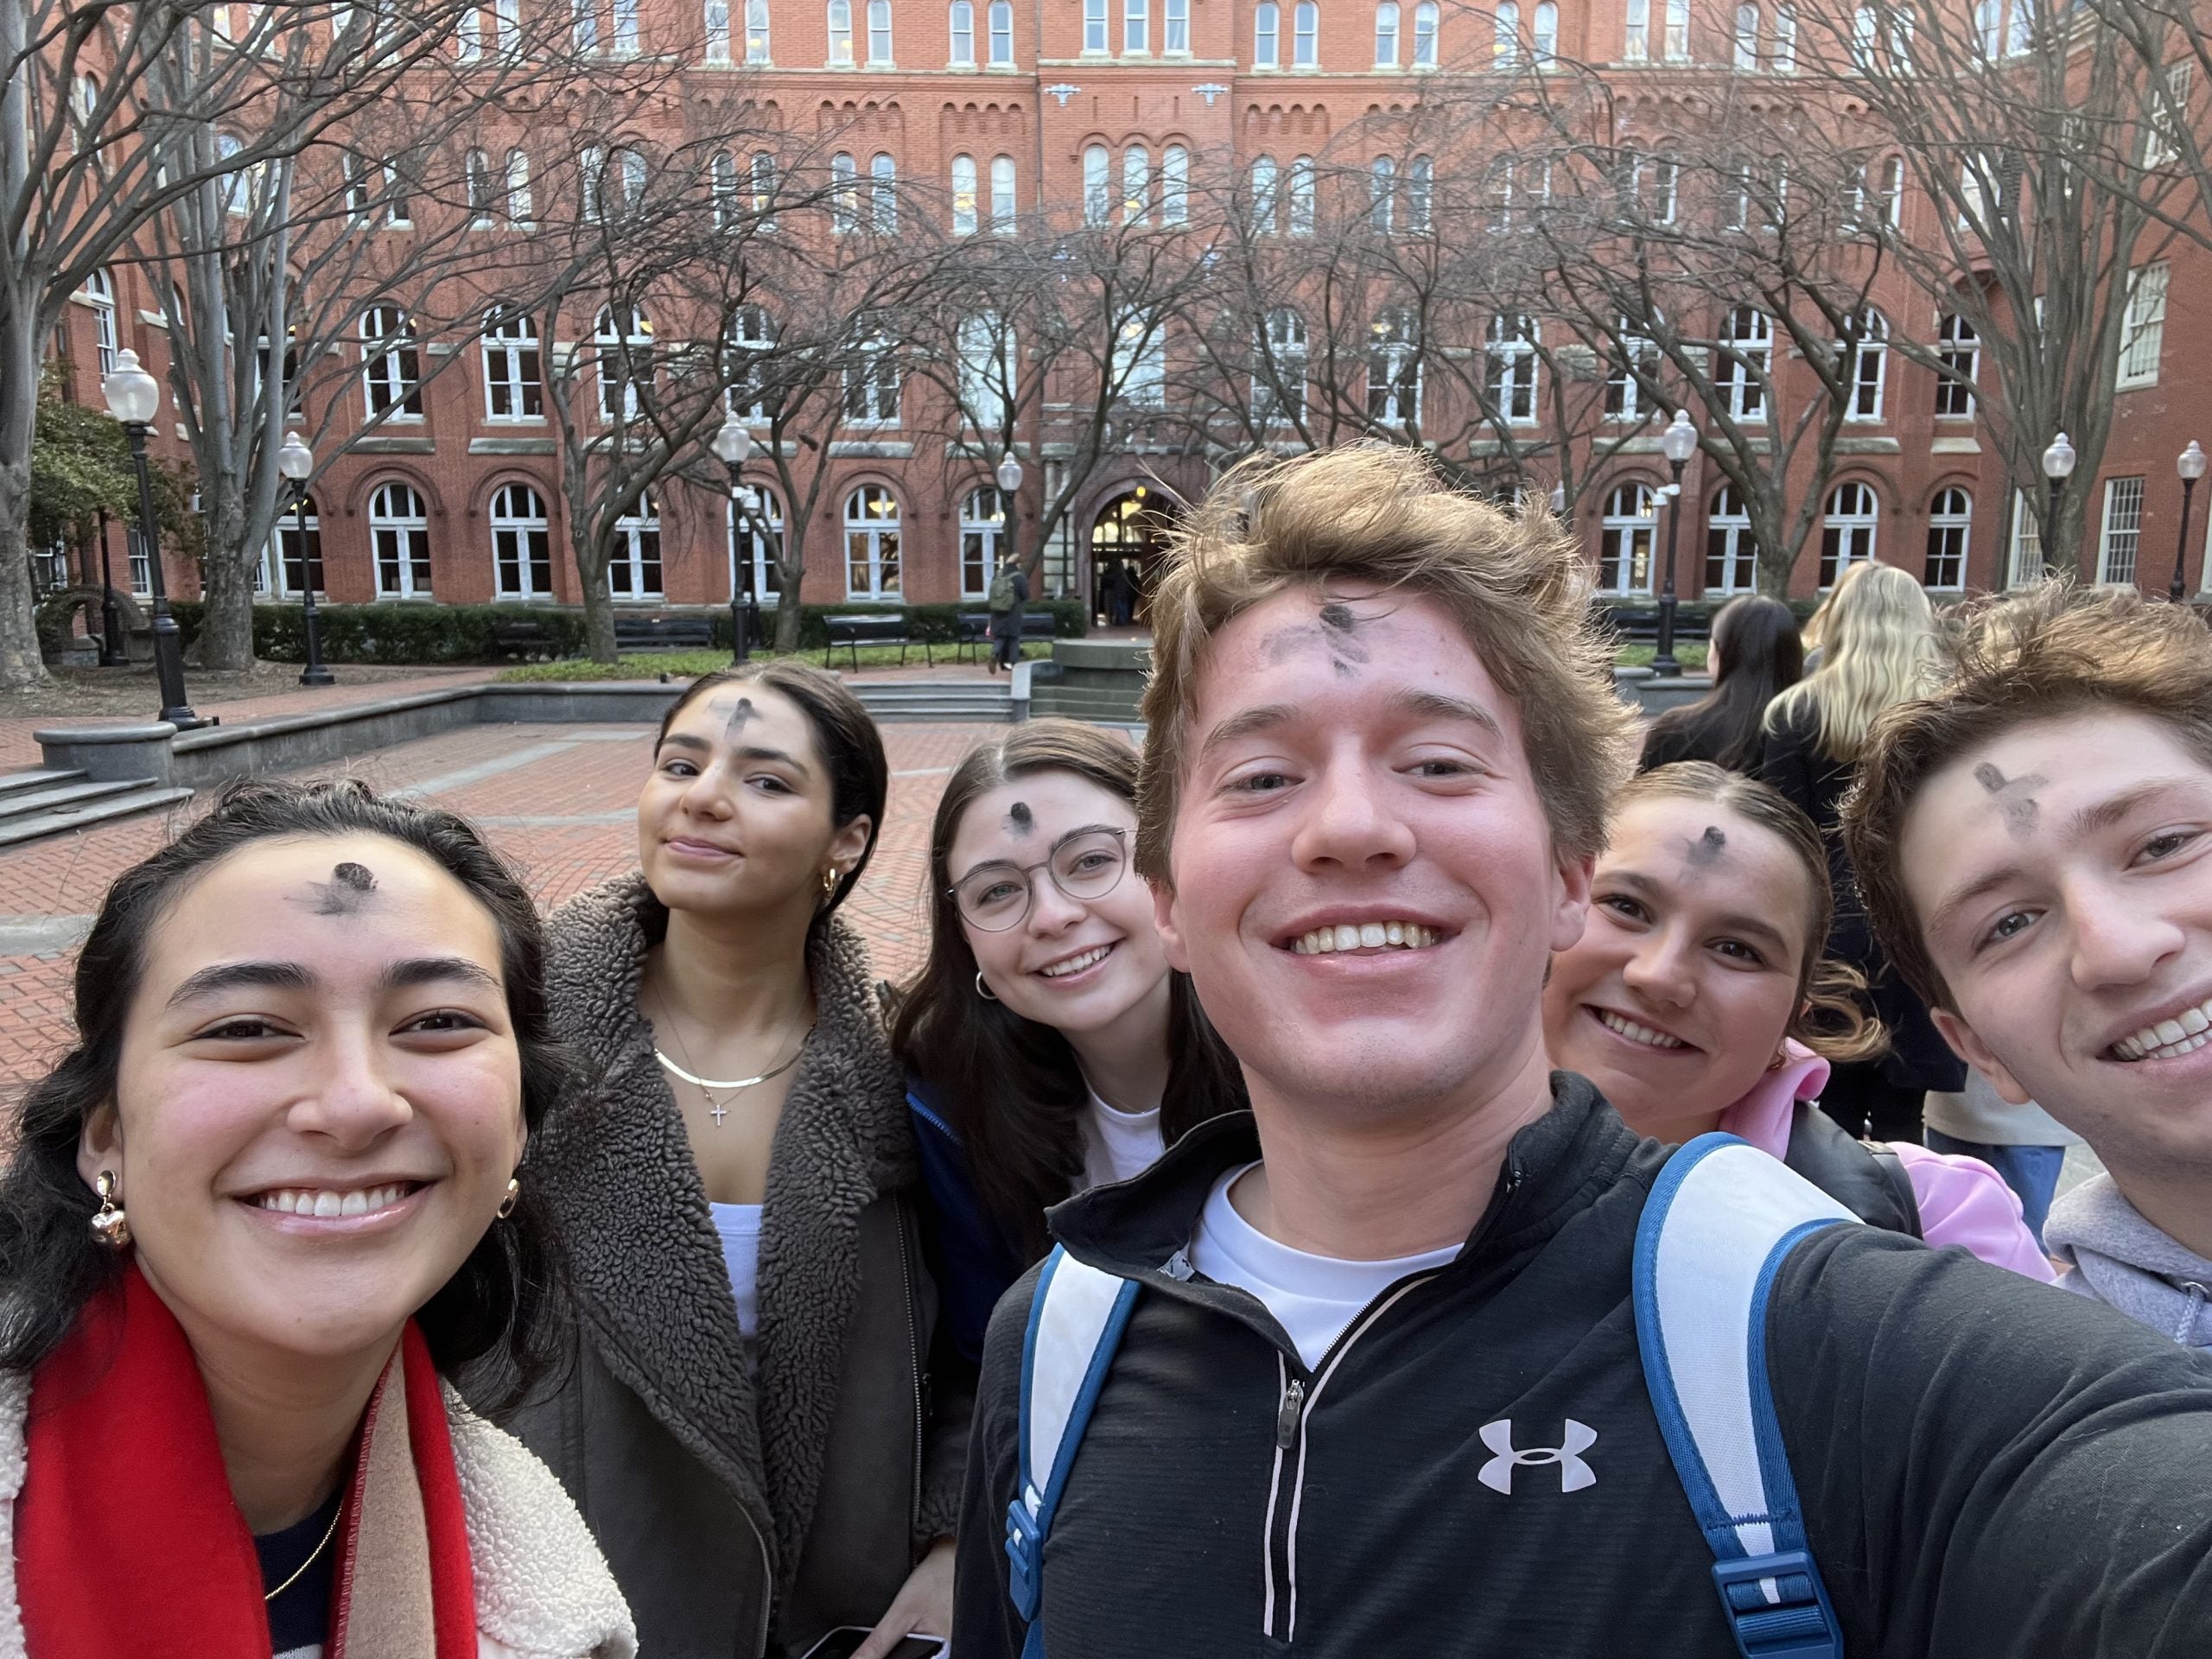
x,y
1636,1034
2186,1032
2170,1031
1373,936
1394,932
2193,1021
315,1201
1076,964
1367,935
1347,936
329,1204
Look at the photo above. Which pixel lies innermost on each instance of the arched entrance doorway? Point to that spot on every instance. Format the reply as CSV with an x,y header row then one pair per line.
x,y
1128,540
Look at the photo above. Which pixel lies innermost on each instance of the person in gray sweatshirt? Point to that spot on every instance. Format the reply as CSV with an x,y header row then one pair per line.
x,y
2034,844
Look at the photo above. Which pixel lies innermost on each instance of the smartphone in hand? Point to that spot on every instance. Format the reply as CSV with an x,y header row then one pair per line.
x,y
843,1642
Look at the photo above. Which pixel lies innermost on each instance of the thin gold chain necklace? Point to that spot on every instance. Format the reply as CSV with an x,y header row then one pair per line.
x,y
709,1086
329,1533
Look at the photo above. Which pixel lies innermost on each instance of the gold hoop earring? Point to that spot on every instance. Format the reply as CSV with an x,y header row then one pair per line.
x,y
111,1226
981,989
514,1196
830,879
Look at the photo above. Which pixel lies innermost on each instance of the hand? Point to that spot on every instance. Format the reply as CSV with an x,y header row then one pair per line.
x,y
923,1606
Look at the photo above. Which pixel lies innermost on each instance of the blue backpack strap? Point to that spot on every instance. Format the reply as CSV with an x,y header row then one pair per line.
x,y
1076,1321
1720,1221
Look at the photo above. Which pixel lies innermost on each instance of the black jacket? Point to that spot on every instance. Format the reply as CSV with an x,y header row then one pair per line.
x,y
1988,1467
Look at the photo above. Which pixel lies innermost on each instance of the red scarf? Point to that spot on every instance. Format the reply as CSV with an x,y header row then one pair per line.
x,y
127,1538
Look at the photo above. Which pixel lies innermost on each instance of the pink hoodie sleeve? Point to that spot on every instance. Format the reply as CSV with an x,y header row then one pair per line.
x,y
1964,1201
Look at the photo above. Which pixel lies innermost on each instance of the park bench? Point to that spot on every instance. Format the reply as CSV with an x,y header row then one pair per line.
x,y
1641,624
528,640
639,634
974,629
851,633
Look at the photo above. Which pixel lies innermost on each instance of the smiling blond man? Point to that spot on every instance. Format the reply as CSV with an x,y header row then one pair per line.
x,y
1380,1391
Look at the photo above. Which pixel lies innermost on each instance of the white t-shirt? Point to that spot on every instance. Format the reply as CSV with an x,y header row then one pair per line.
x,y
739,1227
1118,1145
1314,1298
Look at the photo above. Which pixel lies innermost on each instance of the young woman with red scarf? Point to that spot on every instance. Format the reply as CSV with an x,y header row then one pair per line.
x,y
258,1224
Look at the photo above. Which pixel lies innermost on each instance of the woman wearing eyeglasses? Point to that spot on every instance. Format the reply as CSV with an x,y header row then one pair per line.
x,y
1049,1047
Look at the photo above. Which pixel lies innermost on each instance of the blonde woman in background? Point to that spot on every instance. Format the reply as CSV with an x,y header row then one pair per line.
x,y
1880,643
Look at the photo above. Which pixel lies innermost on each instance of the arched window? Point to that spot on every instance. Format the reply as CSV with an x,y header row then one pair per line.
x,y
1005,205
1870,367
1635,366
963,33
522,544
1136,184
1747,38
1546,35
759,516
879,32
391,371
1394,370
1279,372
883,193
1264,206
872,543
1853,516
299,552
722,181
841,34
751,331
716,18
844,194
1625,541
1301,195
1509,366
519,205
100,294
1305,41
1958,349
399,537
764,189
1747,344
1506,47
1386,35
1425,35
964,196
633,571
1267,36
1381,194
476,174
1950,527
630,174
1001,22
1174,185
982,540
1421,187
1732,556
1097,186
514,387
624,336
756,31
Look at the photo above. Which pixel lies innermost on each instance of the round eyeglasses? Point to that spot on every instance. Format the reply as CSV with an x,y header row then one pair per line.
x,y
1085,865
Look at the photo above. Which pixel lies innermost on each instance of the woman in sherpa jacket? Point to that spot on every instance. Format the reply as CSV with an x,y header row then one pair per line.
x,y
750,1432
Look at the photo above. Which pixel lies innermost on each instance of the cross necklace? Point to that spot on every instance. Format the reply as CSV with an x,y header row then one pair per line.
x,y
709,1086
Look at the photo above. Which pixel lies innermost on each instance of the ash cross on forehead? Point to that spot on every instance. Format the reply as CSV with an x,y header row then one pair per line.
x,y
1020,820
741,715
2013,797
1706,850
1336,632
347,893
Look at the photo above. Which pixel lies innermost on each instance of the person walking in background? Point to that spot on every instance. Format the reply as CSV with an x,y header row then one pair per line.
x,y
1049,1047
752,1425
1881,646
1009,594
2023,1143
1816,626
1753,657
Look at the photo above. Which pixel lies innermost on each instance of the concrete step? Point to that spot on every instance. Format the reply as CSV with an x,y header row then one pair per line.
x,y
923,701
132,797
31,778
62,789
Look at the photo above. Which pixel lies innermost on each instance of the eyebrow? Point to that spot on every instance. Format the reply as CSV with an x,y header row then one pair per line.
x,y
293,976
1053,851
433,970
1738,923
1434,704
685,741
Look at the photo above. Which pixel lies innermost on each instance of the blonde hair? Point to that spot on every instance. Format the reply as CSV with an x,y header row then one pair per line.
x,y
1373,514
1880,645
1816,625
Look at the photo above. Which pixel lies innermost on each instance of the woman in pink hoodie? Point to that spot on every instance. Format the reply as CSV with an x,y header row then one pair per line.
x,y
1697,1000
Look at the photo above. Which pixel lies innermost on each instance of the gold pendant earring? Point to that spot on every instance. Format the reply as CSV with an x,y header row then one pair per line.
x,y
111,1226
830,883
514,1196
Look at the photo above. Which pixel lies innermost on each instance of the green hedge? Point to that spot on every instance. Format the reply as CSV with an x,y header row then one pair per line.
x,y
468,634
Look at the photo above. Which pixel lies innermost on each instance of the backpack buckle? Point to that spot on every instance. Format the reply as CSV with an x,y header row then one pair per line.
x,y
1024,1555
1778,1607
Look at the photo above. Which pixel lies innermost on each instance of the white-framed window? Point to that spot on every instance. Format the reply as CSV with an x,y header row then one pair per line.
x,y
962,55
1783,58
760,542
100,294
982,540
1864,33
1890,201
1386,35
1635,362
1279,376
391,369
506,26
2143,336
1745,55
1854,516
764,189
1005,206
476,178
722,186
1267,36
1950,528
1000,19
751,331
2019,33
987,360
756,31
873,383
1136,26
1300,195
1394,370
841,34
624,338
1636,32
844,194
584,26
871,564
1175,28
1425,17
1136,184
1545,36
628,40
1732,553
633,570
1382,195
1420,194
2120,539
630,180
1139,367
1506,45
883,193
1093,26
299,558
1624,540
1958,348
1870,367
1652,180
715,16
879,33
591,182
399,537
469,35
1266,209
519,210
522,544
1306,36
1678,31
1175,184
1739,375
2024,565
1989,27
514,386
1510,366
398,202
1097,185
964,196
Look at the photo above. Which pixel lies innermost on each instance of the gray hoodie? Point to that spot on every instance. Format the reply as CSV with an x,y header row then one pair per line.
x,y
2116,1258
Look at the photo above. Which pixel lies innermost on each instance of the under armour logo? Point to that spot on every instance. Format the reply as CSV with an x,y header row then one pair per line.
x,y
1573,1473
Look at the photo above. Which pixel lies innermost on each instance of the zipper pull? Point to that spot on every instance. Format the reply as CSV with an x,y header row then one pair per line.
x,y
1293,1405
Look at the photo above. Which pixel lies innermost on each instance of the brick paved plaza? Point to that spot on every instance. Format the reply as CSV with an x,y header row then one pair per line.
x,y
558,799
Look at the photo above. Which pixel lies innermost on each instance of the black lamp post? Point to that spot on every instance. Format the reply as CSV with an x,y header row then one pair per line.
x,y
2057,467
134,398
1678,443
112,654
734,445
2190,465
295,461
1008,476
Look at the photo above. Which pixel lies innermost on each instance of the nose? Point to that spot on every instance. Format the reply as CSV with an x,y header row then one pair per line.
x,y
1051,911
354,1101
706,795
2118,939
1661,970
1348,822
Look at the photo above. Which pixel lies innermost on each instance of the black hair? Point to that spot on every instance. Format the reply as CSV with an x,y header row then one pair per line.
x,y
499,1326
844,732
1761,654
